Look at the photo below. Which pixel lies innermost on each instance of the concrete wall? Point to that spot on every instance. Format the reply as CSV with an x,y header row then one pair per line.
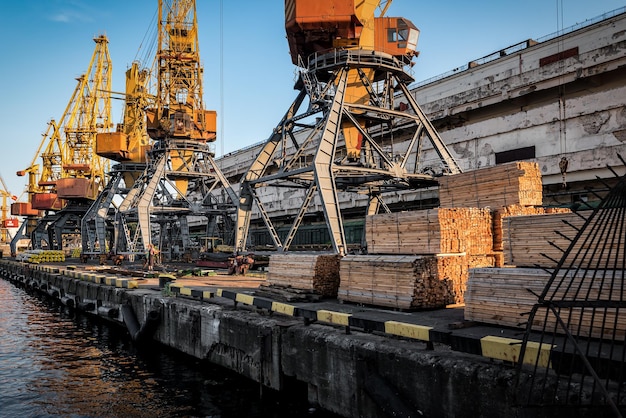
x,y
354,375
575,107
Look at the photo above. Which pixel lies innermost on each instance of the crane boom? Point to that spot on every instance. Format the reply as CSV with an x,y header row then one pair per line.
x,y
179,110
384,6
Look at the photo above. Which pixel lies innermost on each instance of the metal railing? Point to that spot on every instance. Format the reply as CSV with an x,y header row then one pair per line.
x,y
518,47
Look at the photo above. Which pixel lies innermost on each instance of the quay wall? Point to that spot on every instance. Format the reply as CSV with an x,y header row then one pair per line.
x,y
353,374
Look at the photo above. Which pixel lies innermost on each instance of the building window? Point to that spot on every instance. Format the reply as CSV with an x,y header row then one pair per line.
x,y
518,154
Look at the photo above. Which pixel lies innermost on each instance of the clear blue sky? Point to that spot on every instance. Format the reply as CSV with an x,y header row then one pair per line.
x,y
46,44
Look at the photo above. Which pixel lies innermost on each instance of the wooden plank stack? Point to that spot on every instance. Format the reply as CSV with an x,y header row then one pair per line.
x,y
316,273
516,210
403,281
431,231
516,183
502,296
527,237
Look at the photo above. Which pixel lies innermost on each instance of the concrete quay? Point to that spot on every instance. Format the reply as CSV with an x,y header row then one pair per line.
x,y
353,360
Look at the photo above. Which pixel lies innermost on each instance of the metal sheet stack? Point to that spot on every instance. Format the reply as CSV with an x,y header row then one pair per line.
x,y
315,273
403,281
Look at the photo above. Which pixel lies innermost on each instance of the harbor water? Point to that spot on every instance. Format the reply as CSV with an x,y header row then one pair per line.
x,y
55,362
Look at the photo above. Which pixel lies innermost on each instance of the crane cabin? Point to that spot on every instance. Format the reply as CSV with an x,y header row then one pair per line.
x,y
396,36
323,25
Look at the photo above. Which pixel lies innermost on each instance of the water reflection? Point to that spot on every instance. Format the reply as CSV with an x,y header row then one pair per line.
x,y
55,363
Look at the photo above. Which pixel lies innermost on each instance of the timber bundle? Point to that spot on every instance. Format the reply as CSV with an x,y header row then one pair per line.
x,y
516,183
430,231
501,215
455,237
315,273
505,296
403,281
439,245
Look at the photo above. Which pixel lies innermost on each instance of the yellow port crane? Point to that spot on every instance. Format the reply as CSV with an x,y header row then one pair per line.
x,y
128,146
71,171
5,221
130,141
181,177
82,170
179,111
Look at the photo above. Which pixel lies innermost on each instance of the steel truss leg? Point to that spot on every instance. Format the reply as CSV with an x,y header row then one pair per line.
x,y
323,163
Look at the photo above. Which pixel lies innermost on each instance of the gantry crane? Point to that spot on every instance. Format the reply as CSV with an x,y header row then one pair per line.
x,y
352,65
72,175
128,146
5,221
181,179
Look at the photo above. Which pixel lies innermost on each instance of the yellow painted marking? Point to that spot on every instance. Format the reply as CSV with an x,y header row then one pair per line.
x,y
283,308
185,291
243,298
338,318
110,281
207,294
509,349
219,292
402,329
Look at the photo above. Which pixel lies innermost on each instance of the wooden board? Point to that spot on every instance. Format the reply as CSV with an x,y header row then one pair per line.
x,y
403,282
504,297
430,231
516,210
317,273
527,237
516,183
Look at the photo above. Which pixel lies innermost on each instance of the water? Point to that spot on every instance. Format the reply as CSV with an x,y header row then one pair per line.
x,y
57,363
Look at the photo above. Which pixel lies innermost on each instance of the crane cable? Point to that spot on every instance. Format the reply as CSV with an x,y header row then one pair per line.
x,y
563,163
221,117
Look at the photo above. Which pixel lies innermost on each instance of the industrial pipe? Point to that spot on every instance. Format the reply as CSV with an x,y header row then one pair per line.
x,y
86,306
107,311
140,333
68,301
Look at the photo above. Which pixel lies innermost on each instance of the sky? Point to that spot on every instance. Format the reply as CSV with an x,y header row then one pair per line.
x,y
248,74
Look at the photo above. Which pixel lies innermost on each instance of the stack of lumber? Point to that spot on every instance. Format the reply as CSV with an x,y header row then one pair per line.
x,y
525,238
403,281
41,256
516,183
316,273
431,231
516,210
502,296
